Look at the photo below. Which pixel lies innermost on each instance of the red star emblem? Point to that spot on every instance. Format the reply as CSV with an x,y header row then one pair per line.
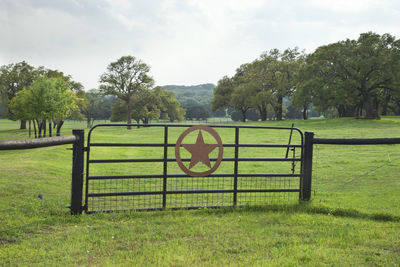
x,y
200,151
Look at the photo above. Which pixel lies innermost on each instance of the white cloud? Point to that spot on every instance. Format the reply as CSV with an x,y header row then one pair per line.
x,y
348,6
185,42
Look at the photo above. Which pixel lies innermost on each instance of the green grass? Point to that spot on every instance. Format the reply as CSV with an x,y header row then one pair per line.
x,y
352,219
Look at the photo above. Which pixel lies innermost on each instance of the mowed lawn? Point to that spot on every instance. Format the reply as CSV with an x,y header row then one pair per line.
x,y
353,217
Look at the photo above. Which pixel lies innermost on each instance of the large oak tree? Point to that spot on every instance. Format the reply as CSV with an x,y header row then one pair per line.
x,y
124,78
353,75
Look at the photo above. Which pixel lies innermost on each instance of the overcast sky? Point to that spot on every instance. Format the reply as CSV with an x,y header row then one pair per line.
x,y
185,42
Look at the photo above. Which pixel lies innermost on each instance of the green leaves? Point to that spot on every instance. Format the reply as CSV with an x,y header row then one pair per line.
x,y
44,99
351,75
124,78
260,84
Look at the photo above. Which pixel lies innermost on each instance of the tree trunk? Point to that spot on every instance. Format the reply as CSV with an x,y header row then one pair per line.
x,y
129,120
59,125
34,128
244,115
340,110
263,112
88,120
396,107
22,125
371,111
305,115
44,128
50,129
40,128
361,109
346,111
30,128
279,109
386,103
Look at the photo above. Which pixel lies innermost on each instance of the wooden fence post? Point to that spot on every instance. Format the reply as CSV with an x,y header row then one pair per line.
x,y
305,193
77,172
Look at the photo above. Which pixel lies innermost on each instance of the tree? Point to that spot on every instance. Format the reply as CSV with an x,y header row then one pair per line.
x,y
263,78
305,88
118,111
95,106
124,78
146,106
240,100
170,106
13,78
222,94
45,99
197,113
251,115
274,79
354,74
261,84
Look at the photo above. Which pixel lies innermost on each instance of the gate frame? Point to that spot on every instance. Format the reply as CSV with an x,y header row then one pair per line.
x,y
236,145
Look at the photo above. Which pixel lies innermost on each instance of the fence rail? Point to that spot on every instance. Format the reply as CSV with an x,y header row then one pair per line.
x,y
368,141
36,143
308,153
78,141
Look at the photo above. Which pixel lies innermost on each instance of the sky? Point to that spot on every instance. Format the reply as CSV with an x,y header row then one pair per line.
x,y
185,42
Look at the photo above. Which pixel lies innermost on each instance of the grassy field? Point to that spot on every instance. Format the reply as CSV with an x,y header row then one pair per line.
x,y
352,219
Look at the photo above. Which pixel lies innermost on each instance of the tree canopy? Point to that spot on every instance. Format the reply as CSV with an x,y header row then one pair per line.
x,y
13,78
260,84
45,99
350,78
124,78
149,105
352,75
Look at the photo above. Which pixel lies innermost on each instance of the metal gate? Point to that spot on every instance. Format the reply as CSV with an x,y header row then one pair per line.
x,y
161,166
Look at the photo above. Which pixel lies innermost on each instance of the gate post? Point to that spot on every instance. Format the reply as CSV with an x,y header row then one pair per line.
x,y
77,171
305,191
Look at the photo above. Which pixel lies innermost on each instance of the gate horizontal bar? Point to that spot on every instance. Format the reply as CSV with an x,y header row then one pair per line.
x,y
111,194
38,142
173,145
187,159
190,125
111,177
368,141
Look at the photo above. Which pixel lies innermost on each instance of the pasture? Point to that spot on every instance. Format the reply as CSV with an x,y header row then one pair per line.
x,y
353,217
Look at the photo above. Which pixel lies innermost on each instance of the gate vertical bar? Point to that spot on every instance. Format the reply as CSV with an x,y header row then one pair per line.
x,y
235,170
165,167
305,191
77,172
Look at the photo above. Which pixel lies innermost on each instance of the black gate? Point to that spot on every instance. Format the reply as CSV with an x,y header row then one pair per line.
x,y
154,168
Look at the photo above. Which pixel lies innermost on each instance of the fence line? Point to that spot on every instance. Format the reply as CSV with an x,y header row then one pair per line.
x,y
308,153
36,143
78,141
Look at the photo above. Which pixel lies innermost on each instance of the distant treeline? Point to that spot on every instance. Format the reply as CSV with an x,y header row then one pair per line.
x,y
344,79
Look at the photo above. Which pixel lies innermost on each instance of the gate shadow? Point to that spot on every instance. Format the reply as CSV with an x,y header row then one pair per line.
x,y
300,208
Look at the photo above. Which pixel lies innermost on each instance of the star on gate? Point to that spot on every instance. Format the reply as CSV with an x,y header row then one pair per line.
x,y
200,151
